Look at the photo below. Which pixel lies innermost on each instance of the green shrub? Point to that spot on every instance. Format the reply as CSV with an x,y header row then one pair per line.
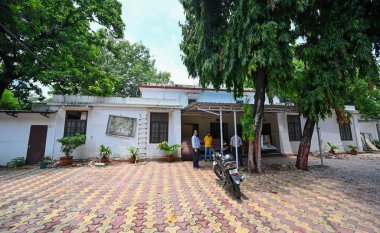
x,y
70,143
353,147
332,146
16,162
166,147
46,159
105,150
377,143
133,150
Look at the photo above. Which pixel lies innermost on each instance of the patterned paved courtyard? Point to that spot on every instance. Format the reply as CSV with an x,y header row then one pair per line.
x,y
172,197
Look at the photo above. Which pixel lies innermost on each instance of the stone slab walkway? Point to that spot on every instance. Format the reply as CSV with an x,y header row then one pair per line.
x,y
172,197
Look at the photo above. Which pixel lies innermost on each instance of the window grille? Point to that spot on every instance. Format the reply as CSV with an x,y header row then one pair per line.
x,y
76,122
159,123
345,132
294,128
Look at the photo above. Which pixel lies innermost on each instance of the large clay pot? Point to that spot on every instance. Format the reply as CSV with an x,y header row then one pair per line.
x,y
170,158
66,160
132,159
354,152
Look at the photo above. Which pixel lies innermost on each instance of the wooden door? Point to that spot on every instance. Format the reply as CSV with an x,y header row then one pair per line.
x,y
37,143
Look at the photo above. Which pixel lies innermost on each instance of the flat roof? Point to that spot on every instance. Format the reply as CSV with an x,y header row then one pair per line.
x,y
185,87
27,111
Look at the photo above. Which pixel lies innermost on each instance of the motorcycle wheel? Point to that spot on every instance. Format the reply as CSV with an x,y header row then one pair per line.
x,y
218,172
237,191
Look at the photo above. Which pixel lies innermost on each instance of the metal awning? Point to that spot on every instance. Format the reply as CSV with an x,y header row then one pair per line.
x,y
220,108
233,107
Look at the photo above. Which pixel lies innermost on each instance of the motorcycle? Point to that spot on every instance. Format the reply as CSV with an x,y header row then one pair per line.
x,y
226,170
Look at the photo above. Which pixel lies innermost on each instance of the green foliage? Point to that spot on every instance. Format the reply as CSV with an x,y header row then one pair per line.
x,y
352,147
332,146
59,34
70,143
8,101
133,150
366,98
377,143
128,66
335,53
47,160
227,42
105,150
247,121
166,147
16,162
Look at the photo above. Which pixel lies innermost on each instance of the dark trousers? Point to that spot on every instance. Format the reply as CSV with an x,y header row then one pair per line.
x,y
240,155
196,156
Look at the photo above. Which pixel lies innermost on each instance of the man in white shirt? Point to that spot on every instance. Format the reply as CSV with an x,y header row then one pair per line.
x,y
196,144
237,144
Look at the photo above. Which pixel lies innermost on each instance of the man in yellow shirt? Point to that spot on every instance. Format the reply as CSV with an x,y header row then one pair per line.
x,y
208,145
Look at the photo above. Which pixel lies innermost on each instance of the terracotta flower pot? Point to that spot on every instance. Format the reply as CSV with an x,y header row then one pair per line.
x,y
104,159
354,152
170,158
66,160
132,159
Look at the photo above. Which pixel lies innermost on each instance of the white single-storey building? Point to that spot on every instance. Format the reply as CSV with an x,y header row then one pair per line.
x,y
163,113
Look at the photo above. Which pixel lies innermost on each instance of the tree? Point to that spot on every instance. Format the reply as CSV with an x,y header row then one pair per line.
x,y
366,98
336,54
128,66
51,42
8,101
230,43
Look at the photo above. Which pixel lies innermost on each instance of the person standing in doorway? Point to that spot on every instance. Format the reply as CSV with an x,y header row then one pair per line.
x,y
208,144
196,144
238,144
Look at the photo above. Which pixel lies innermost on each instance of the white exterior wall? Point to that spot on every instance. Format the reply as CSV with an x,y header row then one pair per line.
x,y
14,134
183,95
329,129
174,134
369,127
97,121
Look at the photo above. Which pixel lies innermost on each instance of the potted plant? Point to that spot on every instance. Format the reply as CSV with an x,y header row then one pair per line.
x,y
169,149
68,145
45,162
332,147
134,151
354,149
105,153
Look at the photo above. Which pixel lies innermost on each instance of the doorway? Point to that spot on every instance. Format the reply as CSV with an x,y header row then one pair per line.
x,y
37,143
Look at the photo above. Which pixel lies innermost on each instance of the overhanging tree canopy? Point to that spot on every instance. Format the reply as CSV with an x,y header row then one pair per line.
x,y
233,43
51,41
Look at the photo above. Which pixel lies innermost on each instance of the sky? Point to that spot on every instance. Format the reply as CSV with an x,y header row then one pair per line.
x,y
156,25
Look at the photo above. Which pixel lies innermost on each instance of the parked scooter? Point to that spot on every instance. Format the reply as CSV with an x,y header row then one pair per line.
x,y
226,170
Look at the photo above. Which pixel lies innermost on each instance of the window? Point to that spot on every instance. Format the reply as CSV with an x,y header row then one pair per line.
x,y
76,122
191,101
159,127
345,132
294,128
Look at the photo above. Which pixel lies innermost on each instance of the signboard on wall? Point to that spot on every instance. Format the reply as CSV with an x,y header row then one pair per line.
x,y
121,126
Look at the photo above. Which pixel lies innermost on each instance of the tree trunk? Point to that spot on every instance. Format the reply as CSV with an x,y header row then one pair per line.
x,y
7,75
251,160
304,147
2,89
258,114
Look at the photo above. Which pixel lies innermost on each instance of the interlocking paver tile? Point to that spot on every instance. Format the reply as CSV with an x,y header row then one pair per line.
x,y
171,197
